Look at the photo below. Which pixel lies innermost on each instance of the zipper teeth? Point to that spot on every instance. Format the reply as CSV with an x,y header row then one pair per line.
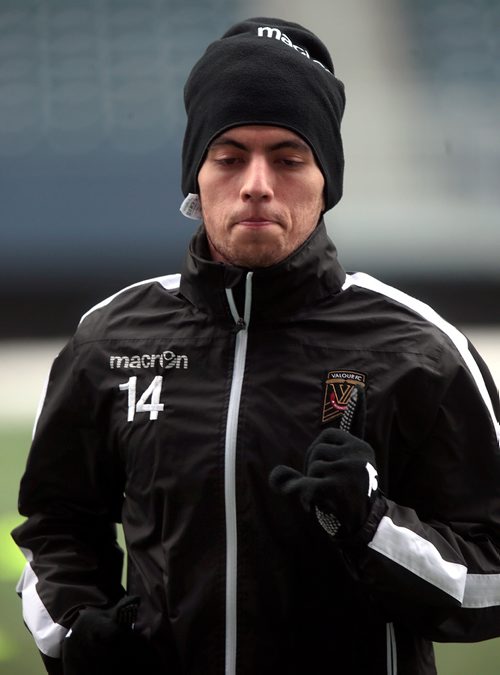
x,y
392,659
240,353
230,497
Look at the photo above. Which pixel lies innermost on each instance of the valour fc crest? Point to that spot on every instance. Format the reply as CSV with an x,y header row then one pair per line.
x,y
338,387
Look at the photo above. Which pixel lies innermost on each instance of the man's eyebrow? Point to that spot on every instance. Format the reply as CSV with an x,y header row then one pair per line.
x,y
223,140
291,144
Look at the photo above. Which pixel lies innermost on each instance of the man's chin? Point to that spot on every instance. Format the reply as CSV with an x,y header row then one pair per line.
x,y
256,258
250,249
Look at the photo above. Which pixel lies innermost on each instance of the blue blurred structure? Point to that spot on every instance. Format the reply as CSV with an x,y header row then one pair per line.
x,y
91,123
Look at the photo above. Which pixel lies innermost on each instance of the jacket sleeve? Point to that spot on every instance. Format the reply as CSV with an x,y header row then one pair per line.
x,y
433,558
72,498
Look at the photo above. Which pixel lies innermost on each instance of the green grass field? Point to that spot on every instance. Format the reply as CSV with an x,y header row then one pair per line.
x,y
18,655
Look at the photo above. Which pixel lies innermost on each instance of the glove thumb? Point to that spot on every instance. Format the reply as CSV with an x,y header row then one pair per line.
x,y
285,480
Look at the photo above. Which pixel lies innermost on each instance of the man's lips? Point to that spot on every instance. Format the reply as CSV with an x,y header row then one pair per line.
x,y
256,221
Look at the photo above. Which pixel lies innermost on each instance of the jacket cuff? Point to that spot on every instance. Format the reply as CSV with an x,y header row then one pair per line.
x,y
52,666
364,536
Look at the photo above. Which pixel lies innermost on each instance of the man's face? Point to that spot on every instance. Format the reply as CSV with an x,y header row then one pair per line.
x,y
261,195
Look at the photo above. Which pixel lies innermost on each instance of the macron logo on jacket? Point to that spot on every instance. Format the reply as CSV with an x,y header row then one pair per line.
x,y
276,34
166,360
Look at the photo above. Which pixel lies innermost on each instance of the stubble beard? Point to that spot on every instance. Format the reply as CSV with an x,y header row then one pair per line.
x,y
250,255
258,248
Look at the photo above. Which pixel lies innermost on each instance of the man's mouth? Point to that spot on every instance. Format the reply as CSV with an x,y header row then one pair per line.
x,y
255,221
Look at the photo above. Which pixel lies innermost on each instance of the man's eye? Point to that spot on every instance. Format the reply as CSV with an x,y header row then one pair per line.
x,y
293,163
226,161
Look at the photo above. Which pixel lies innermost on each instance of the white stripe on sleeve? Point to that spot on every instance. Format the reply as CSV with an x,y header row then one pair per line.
x,y
170,282
459,340
482,590
47,634
419,556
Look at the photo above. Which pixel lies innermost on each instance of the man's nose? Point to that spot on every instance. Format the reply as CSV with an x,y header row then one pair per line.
x,y
257,181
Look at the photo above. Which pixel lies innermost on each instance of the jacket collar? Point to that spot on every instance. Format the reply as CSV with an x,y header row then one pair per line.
x,y
308,275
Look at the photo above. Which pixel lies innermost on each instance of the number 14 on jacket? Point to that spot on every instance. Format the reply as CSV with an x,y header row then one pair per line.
x,y
152,393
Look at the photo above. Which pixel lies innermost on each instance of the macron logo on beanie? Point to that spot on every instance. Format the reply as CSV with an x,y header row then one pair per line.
x,y
276,34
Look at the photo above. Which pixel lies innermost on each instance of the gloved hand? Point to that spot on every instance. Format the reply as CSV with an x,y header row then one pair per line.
x,y
103,642
339,479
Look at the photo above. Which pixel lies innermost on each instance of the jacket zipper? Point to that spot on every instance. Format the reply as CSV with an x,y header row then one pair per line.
x,y
240,352
392,657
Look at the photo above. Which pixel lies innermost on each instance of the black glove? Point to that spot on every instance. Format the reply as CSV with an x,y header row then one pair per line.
x,y
339,479
103,642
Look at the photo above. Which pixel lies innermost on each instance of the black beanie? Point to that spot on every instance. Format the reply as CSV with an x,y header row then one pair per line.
x,y
266,71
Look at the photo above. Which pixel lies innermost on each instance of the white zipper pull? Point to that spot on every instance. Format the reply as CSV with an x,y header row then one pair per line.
x,y
241,322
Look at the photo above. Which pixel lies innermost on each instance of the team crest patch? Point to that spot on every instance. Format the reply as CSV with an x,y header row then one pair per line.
x,y
338,387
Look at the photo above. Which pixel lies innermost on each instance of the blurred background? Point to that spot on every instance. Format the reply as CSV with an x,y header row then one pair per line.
x,y
91,124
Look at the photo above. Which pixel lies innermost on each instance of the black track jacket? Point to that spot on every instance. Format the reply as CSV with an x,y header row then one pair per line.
x,y
167,411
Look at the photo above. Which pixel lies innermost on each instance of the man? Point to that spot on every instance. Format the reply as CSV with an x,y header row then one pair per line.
x,y
203,412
